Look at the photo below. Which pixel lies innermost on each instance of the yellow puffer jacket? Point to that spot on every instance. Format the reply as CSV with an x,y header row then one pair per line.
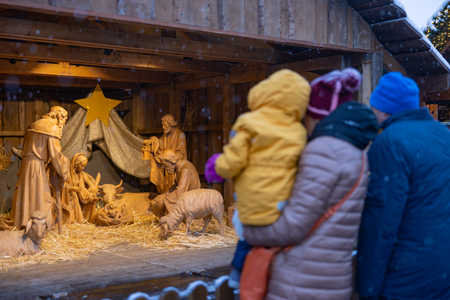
x,y
265,145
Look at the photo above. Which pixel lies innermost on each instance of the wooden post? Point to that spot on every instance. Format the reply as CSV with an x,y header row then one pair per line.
x,y
21,118
175,104
372,70
228,185
366,84
39,109
138,113
1,119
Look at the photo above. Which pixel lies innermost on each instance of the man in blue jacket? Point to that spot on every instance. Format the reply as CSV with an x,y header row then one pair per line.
x,y
404,239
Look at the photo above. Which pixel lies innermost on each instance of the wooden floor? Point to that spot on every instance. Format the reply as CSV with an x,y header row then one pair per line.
x,y
125,265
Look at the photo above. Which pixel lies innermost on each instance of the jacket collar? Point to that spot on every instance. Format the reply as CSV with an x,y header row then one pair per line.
x,y
421,114
352,122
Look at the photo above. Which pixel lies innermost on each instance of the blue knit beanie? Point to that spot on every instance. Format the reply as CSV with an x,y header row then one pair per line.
x,y
395,93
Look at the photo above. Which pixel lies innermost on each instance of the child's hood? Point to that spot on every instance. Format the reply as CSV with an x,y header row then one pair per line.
x,y
284,90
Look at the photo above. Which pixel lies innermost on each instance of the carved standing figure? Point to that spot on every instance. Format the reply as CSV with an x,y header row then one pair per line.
x,y
80,192
41,147
196,204
173,139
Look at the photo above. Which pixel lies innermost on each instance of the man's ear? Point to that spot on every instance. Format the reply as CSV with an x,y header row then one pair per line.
x,y
30,222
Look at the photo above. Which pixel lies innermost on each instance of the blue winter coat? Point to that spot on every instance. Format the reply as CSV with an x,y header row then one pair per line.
x,y
404,239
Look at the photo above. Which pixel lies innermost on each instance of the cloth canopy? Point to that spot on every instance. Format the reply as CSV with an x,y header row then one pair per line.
x,y
116,141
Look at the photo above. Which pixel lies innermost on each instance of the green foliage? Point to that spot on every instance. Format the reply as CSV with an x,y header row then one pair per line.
x,y
438,30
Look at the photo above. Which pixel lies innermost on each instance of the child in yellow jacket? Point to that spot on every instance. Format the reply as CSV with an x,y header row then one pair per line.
x,y
265,145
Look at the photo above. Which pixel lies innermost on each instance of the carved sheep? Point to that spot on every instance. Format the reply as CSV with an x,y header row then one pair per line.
x,y
191,205
28,241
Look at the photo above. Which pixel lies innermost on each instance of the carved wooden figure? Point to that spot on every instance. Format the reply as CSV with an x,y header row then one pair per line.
x,y
41,146
80,193
28,241
186,177
196,204
173,139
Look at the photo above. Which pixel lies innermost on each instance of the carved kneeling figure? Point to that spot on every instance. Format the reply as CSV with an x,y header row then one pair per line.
x,y
25,241
196,204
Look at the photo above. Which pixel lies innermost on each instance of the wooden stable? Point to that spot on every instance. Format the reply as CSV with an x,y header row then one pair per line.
x,y
195,59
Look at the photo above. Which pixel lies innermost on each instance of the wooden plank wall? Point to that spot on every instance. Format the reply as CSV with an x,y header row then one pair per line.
x,y
319,22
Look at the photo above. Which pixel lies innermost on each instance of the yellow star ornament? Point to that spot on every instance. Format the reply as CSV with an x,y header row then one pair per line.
x,y
97,106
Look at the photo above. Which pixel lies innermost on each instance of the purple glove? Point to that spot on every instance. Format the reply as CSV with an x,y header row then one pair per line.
x,y
210,170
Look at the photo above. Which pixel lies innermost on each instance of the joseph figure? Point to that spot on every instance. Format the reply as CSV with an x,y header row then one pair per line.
x,y
186,177
41,148
173,139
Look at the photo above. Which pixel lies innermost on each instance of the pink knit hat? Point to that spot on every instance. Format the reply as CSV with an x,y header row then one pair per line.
x,y
331,90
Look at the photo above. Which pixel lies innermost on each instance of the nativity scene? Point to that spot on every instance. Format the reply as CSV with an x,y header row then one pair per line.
x,y
53,182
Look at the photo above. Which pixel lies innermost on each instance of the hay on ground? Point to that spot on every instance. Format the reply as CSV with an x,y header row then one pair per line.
x,y
78,241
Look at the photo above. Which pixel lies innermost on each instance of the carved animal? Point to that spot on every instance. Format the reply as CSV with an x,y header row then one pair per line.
x,y
195,204
110,192
28,241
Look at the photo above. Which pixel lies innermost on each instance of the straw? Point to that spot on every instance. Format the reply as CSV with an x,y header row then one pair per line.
x,y
78,241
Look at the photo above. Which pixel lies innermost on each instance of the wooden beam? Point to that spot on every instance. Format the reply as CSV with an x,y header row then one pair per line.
x,y
117,59
4,133
433,83
200,128
249,76
158,89
318,64
24,80
391,64
436,96
200,83
193,36
42,95
138,43
96,73
98,13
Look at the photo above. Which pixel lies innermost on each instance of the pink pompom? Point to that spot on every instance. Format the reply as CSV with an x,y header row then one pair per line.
x,y
210,170
351,81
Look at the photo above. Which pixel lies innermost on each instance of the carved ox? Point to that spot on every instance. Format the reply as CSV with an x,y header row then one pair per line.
x,y
137,202
110,192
